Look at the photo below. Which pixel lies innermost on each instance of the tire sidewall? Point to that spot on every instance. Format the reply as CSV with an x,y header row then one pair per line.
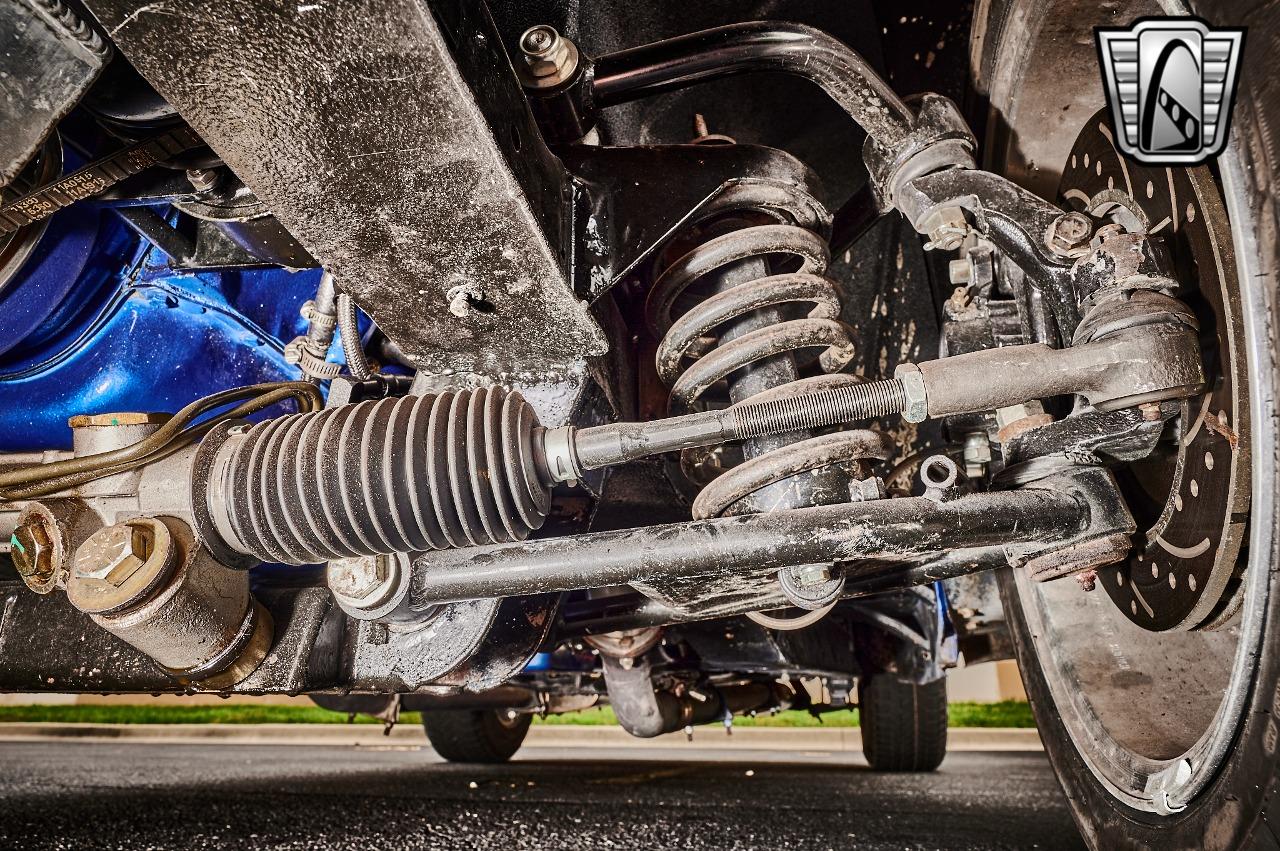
x,y
1227,814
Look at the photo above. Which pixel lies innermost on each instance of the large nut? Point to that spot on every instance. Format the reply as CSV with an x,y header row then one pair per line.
x,y
916,408
866,490
32,549
358,578
115,553
194,616
45,539
1068,235
204,179
549,58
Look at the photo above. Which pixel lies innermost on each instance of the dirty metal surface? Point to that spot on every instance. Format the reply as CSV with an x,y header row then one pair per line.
x,y
902,531
469,646
356,126
1191,496
48,60
47,646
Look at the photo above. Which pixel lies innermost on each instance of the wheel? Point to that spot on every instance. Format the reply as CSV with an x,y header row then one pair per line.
x,y
904,725
486,735
1158,693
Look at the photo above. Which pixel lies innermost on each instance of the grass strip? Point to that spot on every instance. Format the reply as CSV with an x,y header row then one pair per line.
x,y
1008,713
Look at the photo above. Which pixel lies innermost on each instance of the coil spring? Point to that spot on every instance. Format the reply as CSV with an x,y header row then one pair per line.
x,y
397,475
690,336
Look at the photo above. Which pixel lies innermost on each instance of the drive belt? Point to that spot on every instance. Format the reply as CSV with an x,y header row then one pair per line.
x,y
95,178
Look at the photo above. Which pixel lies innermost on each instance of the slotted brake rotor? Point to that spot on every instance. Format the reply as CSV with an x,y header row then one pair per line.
x,y
1191,497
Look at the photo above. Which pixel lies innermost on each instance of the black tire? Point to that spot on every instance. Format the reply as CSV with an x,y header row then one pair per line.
x,y
486,736
1239,809
904,725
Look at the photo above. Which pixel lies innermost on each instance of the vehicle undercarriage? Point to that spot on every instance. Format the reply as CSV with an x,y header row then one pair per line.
x,y
505,360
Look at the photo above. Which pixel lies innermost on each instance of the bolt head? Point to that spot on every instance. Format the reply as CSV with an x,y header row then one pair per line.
x,y
977,447
811,575
32,549
463,299
115,553
538,40
549,58
358,578
203,179
1068,236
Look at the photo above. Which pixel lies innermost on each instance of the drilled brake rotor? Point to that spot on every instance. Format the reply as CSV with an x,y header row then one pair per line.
x,y
1191,497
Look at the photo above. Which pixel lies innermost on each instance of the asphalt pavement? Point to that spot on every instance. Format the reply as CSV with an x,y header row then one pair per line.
x,y
93,795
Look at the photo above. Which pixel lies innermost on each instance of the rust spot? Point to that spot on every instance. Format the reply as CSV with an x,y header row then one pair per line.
x,y
1218,425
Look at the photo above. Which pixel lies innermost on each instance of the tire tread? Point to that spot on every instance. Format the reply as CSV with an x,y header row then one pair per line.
x,y
904,726
475,736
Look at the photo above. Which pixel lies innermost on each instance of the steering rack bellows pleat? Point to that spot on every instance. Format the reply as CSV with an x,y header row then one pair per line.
x,y
406,474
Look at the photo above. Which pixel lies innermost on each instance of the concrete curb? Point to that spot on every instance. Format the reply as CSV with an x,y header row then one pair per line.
x,y
548,736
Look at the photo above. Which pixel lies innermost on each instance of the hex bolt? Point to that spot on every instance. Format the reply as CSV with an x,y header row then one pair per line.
x,y
357,578
549,58
1069,234
463,299
32,549
115,553
203,179
811,575
977,454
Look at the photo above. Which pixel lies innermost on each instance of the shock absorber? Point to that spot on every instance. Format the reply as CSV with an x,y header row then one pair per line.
x,y
765,307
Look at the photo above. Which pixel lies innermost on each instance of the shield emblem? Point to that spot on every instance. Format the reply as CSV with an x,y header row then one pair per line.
x,y
1170,83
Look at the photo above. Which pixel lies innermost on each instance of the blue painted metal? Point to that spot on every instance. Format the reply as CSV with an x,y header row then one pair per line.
x,y
949,644
76,256
539,662
103,324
